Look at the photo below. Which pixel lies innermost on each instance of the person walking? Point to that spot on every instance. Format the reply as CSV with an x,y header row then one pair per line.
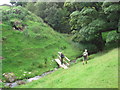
x,y
85,56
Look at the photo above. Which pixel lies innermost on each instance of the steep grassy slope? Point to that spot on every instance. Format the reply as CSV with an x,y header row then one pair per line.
x,y
32,48
100,72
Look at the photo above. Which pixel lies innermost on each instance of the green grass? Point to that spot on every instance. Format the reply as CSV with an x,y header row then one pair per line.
x,y
4,7
100,72
33,49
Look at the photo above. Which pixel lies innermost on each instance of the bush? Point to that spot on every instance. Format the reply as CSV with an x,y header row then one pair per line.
x,y
112,40
113,37
37,65
90,47
63,47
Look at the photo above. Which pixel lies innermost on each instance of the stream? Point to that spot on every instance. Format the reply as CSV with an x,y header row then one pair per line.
x,y
14,84
20,82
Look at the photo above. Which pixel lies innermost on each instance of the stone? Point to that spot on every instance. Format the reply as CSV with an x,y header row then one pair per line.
x,y
10,77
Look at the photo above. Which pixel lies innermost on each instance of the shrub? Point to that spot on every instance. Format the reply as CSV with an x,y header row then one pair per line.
x,y
40,65
113,37
112,40
63,47
37,65
90,47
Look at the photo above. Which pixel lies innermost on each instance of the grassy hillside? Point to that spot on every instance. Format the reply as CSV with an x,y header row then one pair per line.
x,y
31,47
100,72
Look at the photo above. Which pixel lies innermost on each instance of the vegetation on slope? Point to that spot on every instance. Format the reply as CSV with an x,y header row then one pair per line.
x,y
88,20
30,45
100,72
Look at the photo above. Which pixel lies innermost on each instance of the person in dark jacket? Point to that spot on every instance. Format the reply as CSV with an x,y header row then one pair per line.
x,y
62,57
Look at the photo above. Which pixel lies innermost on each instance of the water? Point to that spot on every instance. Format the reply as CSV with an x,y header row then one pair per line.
x,y
14,84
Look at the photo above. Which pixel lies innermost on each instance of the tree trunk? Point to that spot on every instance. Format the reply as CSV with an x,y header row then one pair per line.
x,y
102,42
99,42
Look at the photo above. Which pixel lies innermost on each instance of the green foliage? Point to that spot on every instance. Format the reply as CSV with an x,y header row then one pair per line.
x,y
17,13
89,12
53,14
112,10
92,20
69,7
40,9
30,6
109,7
89,46
73,20
82,18
113,37
90,31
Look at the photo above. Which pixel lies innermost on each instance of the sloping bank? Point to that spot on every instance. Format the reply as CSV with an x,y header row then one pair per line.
x,y
100,72
30,45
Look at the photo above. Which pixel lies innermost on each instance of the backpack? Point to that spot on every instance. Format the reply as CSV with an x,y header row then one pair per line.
x,y
85,54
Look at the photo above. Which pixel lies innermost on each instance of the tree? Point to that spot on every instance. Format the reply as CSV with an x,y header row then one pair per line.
x,y
92,21
112,10
61,17
54,14
40,9
30,6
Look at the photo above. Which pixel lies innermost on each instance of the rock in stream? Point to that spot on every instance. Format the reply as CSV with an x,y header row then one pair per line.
x,y
20,82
